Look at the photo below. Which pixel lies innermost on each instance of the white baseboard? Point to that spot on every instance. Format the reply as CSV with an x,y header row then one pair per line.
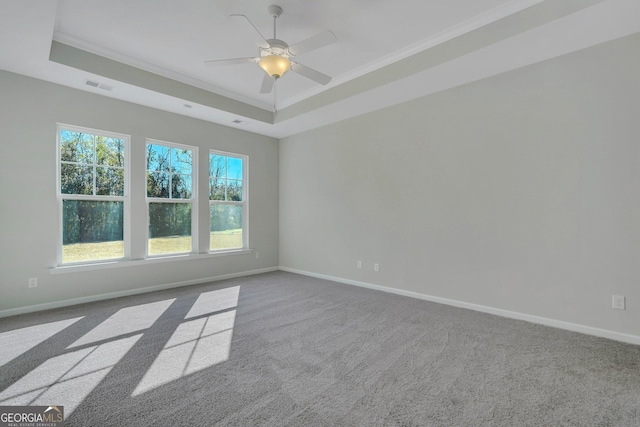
x,y
575,327
129,292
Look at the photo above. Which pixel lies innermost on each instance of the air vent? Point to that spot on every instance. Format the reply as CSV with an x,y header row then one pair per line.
x,y
98,85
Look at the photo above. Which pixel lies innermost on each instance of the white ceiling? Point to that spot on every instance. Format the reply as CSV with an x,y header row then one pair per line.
x,y
387,52
179,36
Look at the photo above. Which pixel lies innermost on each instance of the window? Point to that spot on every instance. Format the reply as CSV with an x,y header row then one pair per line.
x,y
170,198
227,201
93,195
97,215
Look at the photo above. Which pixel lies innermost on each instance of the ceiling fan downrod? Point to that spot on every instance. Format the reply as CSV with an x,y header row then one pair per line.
x,y
275,11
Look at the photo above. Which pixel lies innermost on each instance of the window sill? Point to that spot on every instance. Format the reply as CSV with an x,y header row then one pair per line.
x,y
61,269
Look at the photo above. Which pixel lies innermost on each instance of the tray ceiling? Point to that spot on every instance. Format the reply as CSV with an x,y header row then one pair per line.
x,y
152,52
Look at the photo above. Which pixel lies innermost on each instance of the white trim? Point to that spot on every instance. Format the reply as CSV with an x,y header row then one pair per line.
x,y
574,327
116,263
110,295
131,61
485,18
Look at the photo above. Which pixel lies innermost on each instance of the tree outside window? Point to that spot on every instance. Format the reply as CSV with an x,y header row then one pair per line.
x,y
227,201
170,171
92,194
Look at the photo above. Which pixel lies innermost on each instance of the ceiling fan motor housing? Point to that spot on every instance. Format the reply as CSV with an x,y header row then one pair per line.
x,y
276,47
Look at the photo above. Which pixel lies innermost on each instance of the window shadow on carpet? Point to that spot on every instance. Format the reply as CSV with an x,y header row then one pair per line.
x,y
120,352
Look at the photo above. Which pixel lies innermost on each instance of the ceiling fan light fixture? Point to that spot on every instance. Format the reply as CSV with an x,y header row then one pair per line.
x,y
275,65
275,54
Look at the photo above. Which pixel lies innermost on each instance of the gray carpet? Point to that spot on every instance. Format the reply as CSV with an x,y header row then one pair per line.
x,y
280,349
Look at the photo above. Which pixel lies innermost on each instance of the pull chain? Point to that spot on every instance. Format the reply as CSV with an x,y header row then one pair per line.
x,y
275,96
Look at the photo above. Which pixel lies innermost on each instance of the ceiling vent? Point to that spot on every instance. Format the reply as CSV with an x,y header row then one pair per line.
x,y
98,85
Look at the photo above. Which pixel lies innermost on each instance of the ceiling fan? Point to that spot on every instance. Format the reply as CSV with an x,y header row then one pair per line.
x,y
276,56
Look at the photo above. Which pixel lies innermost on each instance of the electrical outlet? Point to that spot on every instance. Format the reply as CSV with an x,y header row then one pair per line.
x,y
617,302
376,267
257,255
33,282
359,264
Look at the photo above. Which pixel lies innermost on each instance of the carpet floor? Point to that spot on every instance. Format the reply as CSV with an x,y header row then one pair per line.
x,y
280,349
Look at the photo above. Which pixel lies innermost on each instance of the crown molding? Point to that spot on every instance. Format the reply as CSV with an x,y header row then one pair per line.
x,y
502,11
161,71
485,18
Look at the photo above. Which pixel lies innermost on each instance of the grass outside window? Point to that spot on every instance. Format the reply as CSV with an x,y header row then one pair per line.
x,y
79,252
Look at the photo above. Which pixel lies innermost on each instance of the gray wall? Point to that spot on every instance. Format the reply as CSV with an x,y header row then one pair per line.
x,y
520,192
29,210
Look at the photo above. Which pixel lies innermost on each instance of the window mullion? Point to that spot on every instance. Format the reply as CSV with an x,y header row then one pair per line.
x,y
170,173
89,197
95,161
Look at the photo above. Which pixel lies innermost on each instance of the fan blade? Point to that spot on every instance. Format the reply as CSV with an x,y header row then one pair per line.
x,y
322,39
232,61
267,84
260,41
310,73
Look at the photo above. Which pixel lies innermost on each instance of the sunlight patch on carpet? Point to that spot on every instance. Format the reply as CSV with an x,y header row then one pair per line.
x,y
69,378
19,341
125,321
195,345
218,300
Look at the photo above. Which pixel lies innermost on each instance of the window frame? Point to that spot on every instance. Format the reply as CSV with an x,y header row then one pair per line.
x,y
244,202
193,200
125,198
